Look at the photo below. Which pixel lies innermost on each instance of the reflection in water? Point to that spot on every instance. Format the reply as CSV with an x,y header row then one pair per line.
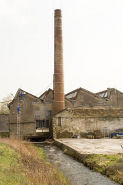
x,y
75,171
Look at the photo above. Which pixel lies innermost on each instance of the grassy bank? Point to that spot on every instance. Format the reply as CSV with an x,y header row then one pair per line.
x,y
23,163
109,165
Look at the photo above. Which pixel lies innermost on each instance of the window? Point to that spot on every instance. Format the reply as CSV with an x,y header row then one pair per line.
x,y
46,124
39,123
59,121
42,123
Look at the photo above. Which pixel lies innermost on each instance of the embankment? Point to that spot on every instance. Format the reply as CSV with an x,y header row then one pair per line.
x,y
23,163
110,165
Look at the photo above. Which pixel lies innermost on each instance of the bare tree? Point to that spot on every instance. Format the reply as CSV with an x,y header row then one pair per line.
x,y
4,104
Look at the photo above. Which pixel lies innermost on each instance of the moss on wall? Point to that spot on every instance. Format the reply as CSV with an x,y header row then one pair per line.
x,y
103,113
64,134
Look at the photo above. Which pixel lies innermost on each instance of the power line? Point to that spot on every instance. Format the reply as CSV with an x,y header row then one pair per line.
x,y
44,89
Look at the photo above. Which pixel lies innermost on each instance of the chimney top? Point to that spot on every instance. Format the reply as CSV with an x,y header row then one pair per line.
x,y
58,13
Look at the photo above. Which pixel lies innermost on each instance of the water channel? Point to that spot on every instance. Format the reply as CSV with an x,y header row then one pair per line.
x,y
75,171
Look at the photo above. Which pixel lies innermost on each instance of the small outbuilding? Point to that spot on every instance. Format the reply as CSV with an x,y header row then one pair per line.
x,y
85,122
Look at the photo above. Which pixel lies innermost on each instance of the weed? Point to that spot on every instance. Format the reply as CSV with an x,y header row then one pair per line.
x,y
109,165
120,160
26,164
121,182
11,170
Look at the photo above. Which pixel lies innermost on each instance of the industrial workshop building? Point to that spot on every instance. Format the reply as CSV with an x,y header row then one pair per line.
x,y
77,113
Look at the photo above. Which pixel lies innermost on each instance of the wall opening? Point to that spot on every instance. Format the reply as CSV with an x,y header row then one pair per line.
x,y
59,121
42,125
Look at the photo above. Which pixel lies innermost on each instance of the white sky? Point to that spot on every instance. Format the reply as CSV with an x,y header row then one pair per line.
x,y
92,42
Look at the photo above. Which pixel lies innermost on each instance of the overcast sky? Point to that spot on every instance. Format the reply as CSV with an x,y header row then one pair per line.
x,y
92,42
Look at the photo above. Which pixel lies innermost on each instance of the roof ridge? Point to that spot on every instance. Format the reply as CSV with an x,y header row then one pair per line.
x,y
72,91
46,92
83,90
87,91
27,93
67,98
101,92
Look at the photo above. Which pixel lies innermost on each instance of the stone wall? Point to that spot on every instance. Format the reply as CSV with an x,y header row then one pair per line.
x,y
82,122
27,130
4,122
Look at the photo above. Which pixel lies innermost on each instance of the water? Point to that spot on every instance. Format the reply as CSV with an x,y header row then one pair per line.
x,y
75,171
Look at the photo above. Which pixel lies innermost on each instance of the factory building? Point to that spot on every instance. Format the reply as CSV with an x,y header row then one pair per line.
x,y
75,113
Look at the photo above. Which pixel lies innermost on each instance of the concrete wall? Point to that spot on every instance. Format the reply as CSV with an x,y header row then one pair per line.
x,y
82,121
84,98
68,103
32,109
116,98
4,122
39,111
28,124
49,97
27,109
28,130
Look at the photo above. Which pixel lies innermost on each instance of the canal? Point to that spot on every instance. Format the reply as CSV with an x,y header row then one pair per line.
x,y
75,171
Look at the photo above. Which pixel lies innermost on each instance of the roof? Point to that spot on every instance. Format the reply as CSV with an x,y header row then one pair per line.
x,y
73,94
105,94
67,98
117,90
97,112
59,111
24,92
42,96
102,94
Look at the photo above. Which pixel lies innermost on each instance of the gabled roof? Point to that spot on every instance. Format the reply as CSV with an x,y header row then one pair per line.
x,y
25,92
117,90
67,98
43,96
73,94
102,94
15,97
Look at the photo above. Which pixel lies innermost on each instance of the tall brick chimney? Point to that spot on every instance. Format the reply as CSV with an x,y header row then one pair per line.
x,y
58,63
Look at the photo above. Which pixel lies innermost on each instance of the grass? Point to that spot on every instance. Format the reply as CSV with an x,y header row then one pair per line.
x,y
11,169
109,165
22,163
